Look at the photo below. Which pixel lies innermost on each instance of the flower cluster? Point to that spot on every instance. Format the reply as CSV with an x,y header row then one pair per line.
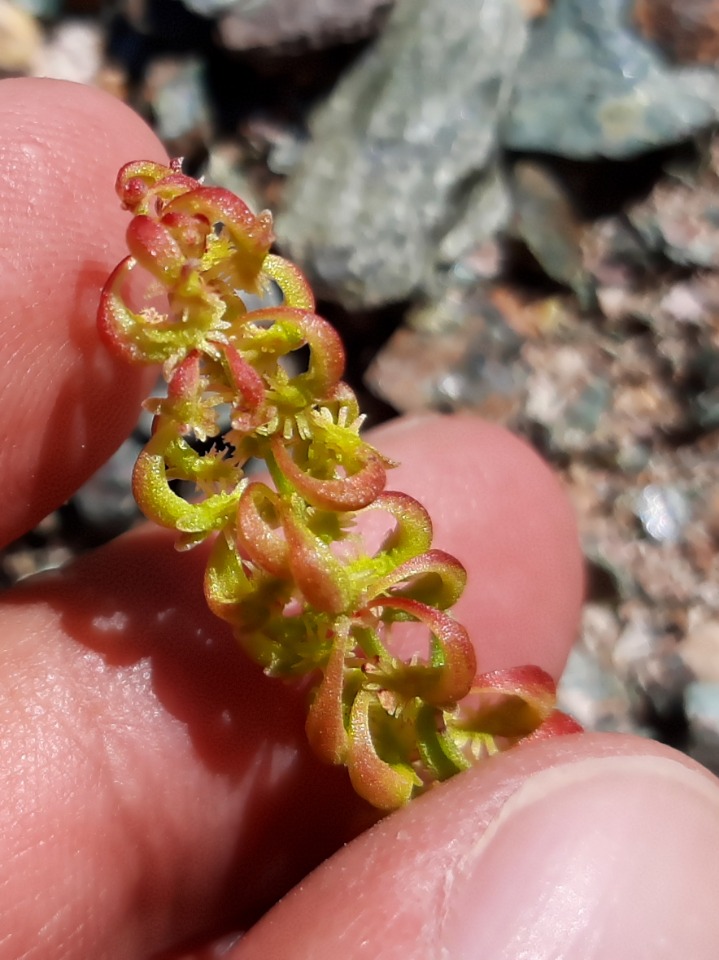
x,y
288,567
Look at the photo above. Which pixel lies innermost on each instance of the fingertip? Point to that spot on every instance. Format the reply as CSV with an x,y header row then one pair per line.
x,y
67,404
501,510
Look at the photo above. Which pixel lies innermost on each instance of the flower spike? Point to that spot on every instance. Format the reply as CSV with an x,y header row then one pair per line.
x,y
288,569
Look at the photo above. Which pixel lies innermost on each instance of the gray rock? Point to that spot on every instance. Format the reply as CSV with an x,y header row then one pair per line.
x,y
176,92
20,36
224,168
680,218
662,681
701,702
590,85
268,24
43,9
483,213
72,50
544,218
663,512
398,146
700,651
210,8
569,399
458,353
593,694
106,499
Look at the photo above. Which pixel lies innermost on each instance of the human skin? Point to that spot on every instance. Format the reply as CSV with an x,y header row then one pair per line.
x,y
157,791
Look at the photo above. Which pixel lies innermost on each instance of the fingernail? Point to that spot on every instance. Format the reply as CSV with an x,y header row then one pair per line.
x,y
603,858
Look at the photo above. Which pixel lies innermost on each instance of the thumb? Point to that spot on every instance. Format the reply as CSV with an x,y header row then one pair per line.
x,y
582,847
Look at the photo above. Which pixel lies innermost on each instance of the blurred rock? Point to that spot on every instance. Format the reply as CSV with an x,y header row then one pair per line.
x,y
535,8
600,630
296,24
224,168
681,219
663,512
42,9
700,651
279,144
593,695
113,79
568,397
662,681
547,223
175,91
481,215
590,85
456,357
20,39
19,563
43,548
211,8
105,501
687,31
72,51
397,146
702,710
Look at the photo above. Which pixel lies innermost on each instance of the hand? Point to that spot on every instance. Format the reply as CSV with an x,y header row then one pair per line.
x,y
157,791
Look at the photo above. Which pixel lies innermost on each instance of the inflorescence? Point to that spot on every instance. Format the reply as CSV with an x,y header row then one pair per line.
x,y
288,568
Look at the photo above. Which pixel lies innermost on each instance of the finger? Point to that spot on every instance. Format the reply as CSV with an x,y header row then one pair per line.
x,y
145,754
583,847
67,405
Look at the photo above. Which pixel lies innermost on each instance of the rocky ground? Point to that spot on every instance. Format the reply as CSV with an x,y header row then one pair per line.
x,y
524,201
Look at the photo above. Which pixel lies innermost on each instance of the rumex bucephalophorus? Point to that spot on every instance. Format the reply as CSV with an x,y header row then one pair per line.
x,y
288,568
